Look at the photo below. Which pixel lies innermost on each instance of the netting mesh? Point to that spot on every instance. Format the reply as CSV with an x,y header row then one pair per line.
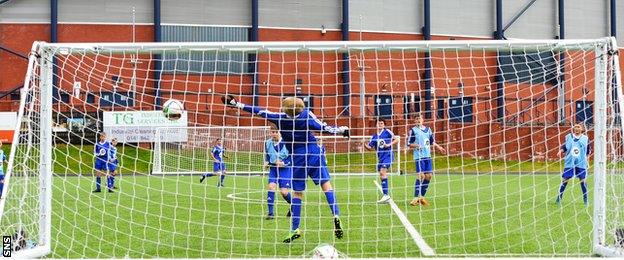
x,y
499,111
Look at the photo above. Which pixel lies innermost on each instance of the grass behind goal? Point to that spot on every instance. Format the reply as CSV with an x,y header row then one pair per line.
x,y
495,213
181,217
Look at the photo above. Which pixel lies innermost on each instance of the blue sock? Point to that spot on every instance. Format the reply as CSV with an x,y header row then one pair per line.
x,y
425,186
288,198
112,181
331,200
584,190
108,182
1,187
271,201
384,186
417,188
98,182
295,208
222,178
561,190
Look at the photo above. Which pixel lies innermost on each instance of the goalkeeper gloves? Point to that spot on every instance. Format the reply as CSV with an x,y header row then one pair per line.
x,y
345,131
229,100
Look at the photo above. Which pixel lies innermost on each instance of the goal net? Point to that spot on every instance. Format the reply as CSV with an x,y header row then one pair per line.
x,y
495,115
188,150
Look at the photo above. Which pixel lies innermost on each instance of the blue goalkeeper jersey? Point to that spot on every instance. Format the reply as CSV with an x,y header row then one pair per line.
x,y
218,152
276,151
423,137
576,149
297,132
378,141
101,151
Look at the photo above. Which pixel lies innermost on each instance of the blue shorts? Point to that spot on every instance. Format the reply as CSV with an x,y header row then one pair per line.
x,y
381,165
101,164
2,177
281,175
571,172
218,167
308,162
112,167
424,165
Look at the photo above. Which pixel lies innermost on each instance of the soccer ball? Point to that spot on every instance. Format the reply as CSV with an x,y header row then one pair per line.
x,y
325,251
173,109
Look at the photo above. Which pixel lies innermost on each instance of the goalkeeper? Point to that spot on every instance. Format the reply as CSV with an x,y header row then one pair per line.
x,y
296,125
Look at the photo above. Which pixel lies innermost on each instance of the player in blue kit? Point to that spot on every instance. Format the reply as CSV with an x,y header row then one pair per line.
x,y
382,142
113,164
100,151
576,150
420,138
218,166
277,159
3,160
296,125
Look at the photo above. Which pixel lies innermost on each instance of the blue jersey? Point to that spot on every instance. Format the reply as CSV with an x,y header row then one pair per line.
x,y
101,151
323,155
2,159
112,154
379,142
423,137
297,132
576,149
218,152
276,151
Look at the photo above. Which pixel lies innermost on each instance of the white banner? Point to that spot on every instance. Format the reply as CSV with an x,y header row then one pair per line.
x,y
8,120
140,126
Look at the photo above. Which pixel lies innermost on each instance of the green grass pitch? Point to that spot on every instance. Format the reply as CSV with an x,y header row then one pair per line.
x,y
176,216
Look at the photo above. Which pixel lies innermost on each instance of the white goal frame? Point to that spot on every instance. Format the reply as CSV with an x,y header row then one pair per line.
x,y
43,53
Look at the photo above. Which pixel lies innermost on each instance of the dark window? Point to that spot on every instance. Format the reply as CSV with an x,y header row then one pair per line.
x,y
533,68
90,98
584,112
460,109
440,108
383,106
106,99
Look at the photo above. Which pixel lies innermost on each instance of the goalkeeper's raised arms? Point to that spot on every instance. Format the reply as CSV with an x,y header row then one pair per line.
x,y
229,100
313,123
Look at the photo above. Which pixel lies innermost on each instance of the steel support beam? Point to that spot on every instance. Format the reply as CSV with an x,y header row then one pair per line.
x,y
157,57
346,75
500,91
519,14
253,62
427,77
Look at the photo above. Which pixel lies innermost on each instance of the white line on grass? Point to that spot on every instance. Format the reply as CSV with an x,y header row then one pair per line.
x,y
420,242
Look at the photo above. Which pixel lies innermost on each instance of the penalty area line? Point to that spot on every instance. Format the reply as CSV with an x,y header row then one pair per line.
x,y
420,242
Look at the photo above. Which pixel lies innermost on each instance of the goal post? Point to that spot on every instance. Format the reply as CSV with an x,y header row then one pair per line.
x,y
495,169
608,233
26,210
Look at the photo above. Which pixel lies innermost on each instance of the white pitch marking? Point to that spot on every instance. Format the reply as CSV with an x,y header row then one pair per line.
x,y
420,242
